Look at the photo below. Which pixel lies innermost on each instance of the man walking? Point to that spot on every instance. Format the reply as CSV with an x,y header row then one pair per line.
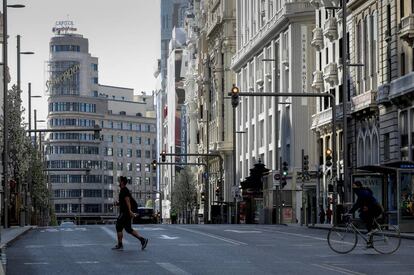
x,y
125,216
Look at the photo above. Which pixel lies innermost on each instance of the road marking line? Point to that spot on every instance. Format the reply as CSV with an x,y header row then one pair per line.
x,y
41,263
149,229
242,232
166,237
35,246
113,234
87,262
213,236
338,269
173,269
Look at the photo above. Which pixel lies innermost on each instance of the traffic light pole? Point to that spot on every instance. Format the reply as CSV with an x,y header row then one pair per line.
x,y
318,95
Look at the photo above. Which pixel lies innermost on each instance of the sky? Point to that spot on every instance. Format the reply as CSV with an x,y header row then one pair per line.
x,y
124,35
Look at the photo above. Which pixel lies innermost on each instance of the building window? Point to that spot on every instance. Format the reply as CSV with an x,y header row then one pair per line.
x,y
120,139
129,166
120,166
120,152
138,140
138,167
402,64
138,152
147,154
129,153
92,208
403,125
95,80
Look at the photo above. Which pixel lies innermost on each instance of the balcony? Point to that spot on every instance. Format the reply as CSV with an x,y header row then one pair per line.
x,y
407,29
383,92
317,40
317,84
364,101
330,74
401,88
330,28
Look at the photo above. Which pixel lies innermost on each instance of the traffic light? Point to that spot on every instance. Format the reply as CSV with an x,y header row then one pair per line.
x,y
154,165
234,96
305,168
163,156
305,164
217,191
203,196
285,168
328,158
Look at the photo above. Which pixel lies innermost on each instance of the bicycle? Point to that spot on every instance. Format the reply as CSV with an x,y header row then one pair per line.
x,y
385,238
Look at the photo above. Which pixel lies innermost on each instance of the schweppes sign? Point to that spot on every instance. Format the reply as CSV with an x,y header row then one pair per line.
x,y
62,77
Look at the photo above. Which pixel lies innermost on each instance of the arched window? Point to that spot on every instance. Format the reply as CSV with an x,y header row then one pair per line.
x,y
368,150
375,148
360,152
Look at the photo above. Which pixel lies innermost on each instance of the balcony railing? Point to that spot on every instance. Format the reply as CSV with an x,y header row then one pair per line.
x,y
330,74
330,28
317,83
407,29
363,101
317,40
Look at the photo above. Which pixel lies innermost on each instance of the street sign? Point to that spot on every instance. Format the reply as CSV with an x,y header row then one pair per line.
x,y
276,178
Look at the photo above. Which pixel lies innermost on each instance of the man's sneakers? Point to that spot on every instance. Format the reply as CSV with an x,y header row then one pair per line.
x,y
369,245
144,243
118,247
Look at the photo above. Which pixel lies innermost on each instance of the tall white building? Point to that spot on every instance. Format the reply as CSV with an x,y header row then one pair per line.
x,y
279,30
83,171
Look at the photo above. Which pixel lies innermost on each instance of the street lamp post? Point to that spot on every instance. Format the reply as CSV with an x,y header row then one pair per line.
x,y
19,52
30,105
5,157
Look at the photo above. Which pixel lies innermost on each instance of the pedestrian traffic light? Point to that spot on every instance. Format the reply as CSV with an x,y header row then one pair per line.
x,y
234,96
283,182
328,158
154,164
163,156
285,168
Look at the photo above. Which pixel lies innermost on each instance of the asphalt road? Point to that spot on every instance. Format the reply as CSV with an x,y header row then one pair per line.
x,y
196,249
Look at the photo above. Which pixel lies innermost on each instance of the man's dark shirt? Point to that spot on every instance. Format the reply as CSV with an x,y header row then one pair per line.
x,y
365,199
123,193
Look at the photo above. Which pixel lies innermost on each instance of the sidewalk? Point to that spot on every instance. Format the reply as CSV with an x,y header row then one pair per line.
x,y
8,235
328,226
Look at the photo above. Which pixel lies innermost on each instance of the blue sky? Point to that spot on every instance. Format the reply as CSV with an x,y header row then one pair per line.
x,y
123,34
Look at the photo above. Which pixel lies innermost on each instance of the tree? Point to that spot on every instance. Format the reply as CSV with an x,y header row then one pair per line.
x,y
184,194
23,155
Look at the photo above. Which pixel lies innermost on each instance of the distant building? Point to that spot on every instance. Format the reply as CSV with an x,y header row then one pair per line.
x,y
125,148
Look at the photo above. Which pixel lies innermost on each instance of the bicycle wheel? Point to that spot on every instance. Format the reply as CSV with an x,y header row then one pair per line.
x,y
387,239
342,240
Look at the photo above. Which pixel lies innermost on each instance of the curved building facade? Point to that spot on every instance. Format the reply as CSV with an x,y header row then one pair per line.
x,y
82,170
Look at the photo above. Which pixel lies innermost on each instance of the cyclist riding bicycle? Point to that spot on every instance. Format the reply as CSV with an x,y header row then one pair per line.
x,y
368,207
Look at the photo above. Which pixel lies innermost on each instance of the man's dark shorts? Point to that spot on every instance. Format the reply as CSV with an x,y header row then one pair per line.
x,y
124,222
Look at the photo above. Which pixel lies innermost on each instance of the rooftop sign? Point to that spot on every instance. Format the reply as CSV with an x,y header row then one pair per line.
x,y
63,27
